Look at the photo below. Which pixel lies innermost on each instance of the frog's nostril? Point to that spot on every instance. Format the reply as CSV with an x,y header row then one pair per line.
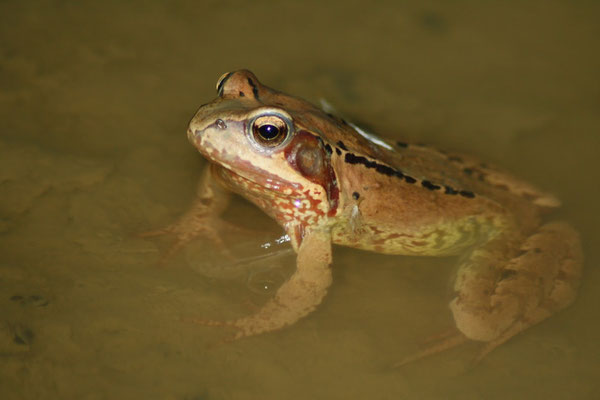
x,y
221,124
193,135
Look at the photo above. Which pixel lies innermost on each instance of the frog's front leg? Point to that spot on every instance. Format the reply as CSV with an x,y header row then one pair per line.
x,y
297,297
503,288
203,217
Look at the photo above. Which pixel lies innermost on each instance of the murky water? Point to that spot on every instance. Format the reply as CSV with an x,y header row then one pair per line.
x,y
94,102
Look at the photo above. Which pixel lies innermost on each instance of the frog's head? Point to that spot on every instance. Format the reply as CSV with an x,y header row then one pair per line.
x,y
267,147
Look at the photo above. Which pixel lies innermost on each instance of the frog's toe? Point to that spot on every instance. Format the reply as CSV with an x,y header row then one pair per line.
x,y
238,334
440,343
211,322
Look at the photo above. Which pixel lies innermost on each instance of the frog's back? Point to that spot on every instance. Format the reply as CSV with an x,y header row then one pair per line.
x,y
389,210
412,199
467,171
426,163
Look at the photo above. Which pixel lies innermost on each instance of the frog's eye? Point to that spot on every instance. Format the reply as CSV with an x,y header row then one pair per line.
x,y
269,130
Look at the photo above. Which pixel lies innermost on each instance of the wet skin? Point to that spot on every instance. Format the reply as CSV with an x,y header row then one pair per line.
x,y
326,181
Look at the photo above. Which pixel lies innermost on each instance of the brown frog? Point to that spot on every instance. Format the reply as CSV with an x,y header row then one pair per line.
x,y
326,181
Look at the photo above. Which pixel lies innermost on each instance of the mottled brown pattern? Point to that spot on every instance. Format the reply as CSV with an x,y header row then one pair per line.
x,y
413,200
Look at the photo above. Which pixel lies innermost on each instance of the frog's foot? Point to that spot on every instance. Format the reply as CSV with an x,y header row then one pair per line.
x,y
188,228
214,323
498,299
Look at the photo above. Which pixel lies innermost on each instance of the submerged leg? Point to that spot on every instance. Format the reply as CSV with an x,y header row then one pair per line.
x,y
500,293
297,297
503,288
202,219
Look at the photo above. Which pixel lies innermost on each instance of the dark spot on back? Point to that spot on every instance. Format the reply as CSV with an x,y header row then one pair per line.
x,y
338,151
254,88
468,171
385,170
328,149
242,94
222,83
380,168
342,145
401,144
450,190
429,185
356,195
352,159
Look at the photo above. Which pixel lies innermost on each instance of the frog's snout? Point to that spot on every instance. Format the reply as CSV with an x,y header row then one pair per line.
x,y
191,135
195,136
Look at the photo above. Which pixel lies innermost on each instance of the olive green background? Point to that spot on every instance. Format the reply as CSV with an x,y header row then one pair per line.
x,y
94,102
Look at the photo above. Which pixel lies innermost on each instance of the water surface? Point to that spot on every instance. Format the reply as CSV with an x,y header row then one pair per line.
x,y
94,102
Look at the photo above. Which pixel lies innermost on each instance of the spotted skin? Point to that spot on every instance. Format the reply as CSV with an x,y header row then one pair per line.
x,y
327,182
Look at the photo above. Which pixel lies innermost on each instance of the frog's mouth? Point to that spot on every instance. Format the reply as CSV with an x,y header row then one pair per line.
x,y
261,183
241,175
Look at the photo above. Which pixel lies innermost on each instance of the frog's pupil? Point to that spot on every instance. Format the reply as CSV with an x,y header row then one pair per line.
x,y
268,132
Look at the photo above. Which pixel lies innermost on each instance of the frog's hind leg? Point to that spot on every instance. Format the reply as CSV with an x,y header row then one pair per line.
x,y
498,296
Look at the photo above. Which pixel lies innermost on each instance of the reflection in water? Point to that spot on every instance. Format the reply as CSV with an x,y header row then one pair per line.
x,y
267,279
263,263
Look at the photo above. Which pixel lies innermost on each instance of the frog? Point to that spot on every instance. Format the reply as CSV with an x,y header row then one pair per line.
x,y
328,182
